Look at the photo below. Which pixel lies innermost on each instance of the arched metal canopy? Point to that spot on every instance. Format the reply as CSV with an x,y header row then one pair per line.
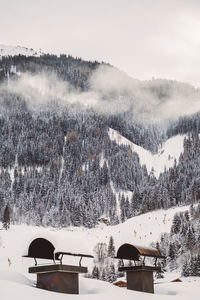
x,y
41,248
133,252
44,249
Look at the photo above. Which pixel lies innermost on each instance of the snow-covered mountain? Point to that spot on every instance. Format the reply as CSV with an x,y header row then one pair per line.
x,y
6,50
164,159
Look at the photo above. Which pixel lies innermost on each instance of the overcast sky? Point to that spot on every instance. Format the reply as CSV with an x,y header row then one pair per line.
x,y
145,38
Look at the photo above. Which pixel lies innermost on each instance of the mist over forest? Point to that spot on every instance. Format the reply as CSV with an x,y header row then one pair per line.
x,y
67,81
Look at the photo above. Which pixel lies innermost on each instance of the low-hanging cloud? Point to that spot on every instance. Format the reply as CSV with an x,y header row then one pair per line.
x,y
155,100
111,91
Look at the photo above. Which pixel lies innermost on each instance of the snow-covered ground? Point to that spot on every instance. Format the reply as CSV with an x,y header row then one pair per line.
x,y
165,157
16,287
6,50
16,283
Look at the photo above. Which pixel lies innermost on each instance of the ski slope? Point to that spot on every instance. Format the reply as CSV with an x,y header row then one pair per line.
x,y
15,282
144,229
6,50
165,157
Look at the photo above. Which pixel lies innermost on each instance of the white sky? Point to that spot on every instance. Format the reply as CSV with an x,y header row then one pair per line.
x,y
145,38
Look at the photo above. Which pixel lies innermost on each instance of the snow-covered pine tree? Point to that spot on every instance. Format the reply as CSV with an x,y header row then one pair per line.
x,y
111,277
185,269
120,264
111,247
95,272
176,224
103,274
6,218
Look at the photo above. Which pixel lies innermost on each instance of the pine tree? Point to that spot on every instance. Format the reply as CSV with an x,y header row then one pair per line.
x,y
193,266
190,238
111,247
120,264
135,201
95,272
112,275
6,218
122,206
127,209
185,269
103,274
171,251
176,224
198,265
192,210
187,216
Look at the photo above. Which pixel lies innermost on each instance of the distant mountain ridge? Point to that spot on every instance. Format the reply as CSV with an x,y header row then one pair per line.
x,y
6,50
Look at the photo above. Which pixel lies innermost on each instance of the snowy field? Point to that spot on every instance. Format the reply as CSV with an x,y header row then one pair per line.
x,y
15,282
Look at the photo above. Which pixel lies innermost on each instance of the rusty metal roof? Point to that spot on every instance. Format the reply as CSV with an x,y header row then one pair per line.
x,y
133,252
148,251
